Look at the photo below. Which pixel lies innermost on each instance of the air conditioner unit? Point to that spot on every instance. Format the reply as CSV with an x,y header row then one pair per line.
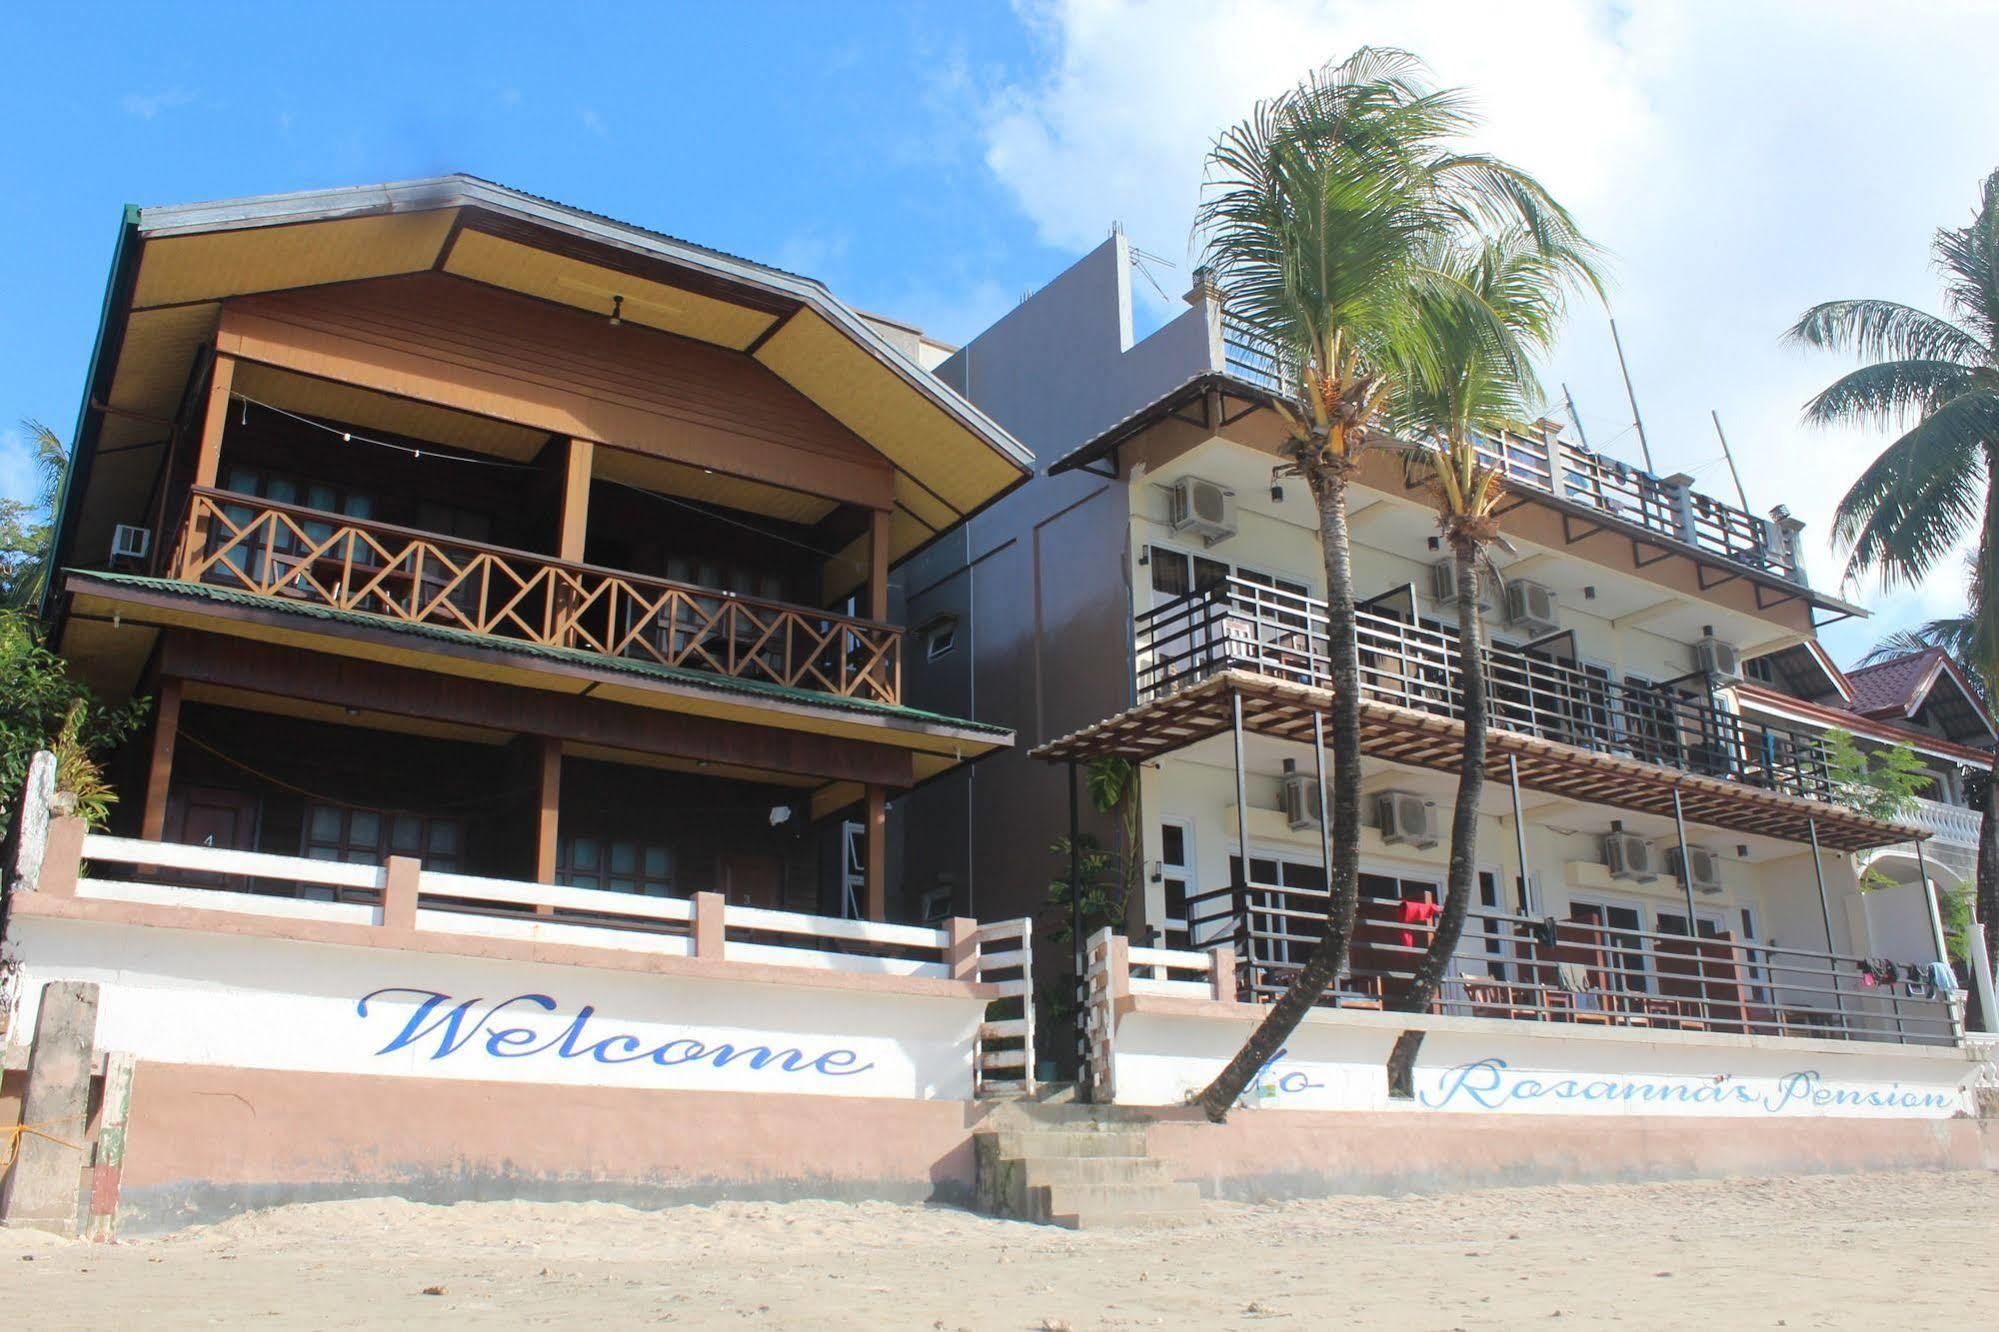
x,y
1444,585
1202,508
1629,856
1705,864
1298,797
1406,819
1718,658
1531,606
129,544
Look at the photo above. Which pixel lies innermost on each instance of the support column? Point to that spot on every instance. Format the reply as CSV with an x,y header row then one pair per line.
x,y
1935,907
1687,873
1825,910
208,457
878,564
575,501
876,888
548,814
159,772
1519,832
1239,880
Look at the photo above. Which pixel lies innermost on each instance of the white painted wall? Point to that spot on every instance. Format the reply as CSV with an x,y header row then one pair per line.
x,y
185,996
1336,1061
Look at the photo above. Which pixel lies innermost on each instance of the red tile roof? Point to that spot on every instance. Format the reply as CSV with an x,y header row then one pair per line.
x,y
1891,688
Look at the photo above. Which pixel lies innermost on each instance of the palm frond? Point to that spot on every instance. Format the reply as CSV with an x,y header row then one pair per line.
x,y
1886,331
1889,392
1920,498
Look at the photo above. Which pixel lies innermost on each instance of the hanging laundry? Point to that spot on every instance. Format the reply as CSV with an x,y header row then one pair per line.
x,y
1417,913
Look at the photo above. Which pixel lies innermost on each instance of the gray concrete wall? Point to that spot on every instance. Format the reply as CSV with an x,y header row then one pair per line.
x,y
1038,583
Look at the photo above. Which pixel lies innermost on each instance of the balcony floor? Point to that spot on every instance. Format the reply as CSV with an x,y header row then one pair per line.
x,y
1285,710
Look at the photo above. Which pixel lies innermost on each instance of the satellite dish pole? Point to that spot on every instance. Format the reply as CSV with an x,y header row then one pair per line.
x,y
1569,398
1740,493
1643,444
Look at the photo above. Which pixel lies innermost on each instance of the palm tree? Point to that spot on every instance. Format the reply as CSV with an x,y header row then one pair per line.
x,y
1935,379
26,529
1502,307
1320,215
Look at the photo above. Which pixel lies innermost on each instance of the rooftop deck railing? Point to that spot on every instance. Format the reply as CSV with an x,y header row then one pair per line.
x,y
1241,625
1580,971
326,559
1663,506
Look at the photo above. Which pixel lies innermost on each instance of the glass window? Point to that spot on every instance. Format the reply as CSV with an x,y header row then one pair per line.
x,y
406,835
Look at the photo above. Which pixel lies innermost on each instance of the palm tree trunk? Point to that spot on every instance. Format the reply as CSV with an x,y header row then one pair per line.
x,y
1471,785
1330,957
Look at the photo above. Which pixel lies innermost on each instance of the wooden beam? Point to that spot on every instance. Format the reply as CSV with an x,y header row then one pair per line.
x,y
159,772
576,500
285,671
208,456
548,815
876,889
878,545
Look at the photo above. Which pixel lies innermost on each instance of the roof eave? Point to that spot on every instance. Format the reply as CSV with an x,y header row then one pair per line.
x,y
459,191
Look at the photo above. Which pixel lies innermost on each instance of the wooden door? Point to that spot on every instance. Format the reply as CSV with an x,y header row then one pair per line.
x,y
212,817
754,881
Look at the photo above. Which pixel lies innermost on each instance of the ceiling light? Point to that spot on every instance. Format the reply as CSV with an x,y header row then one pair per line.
x,y
617,311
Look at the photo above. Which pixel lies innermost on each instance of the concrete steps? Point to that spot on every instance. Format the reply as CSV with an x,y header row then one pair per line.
x,y
1082,1167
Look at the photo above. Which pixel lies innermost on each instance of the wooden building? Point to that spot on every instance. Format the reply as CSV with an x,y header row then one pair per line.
x,y
447,521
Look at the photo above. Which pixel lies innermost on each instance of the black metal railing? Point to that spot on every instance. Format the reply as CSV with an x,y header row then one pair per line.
x,y
1236,624
1579,970
1577,474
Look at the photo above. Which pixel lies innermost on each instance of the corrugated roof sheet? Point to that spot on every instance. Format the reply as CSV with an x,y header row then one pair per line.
x,y
1890,686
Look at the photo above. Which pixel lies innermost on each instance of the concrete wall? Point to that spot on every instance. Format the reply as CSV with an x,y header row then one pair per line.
x,y
1038,584
1308,1154
205,1142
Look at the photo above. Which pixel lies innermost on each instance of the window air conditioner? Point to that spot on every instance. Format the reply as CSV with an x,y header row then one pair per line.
x,y
1298,797
1531,606
1202,508
1629,856
129,544
1718,658
1406,819
1706,866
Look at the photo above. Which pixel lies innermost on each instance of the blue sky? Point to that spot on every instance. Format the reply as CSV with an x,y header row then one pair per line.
x,y
827,138
932,161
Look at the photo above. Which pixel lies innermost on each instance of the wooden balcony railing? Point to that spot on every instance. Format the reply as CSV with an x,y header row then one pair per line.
x,y
1237,624
348,564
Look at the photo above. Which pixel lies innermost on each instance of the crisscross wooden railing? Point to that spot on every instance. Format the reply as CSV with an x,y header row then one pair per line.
x,y
349,564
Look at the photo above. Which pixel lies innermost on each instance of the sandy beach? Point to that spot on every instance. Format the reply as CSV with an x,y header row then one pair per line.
x,y
1884,1250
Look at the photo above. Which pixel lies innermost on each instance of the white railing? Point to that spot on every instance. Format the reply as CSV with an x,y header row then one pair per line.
x,y
200,878
1172,971
1003,1060
1953,825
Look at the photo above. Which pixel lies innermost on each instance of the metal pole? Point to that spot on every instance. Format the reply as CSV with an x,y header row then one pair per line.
x,y
1519,830
1740,493
1076,921
1644,446
1325,824
1240,879
1825,910
1570,400
1686,869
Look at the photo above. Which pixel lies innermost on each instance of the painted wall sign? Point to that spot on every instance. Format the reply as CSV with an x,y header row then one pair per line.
x,y
442,1027
189,997
1341,1064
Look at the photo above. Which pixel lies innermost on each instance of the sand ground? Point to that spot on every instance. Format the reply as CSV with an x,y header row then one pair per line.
x,y
1877,1251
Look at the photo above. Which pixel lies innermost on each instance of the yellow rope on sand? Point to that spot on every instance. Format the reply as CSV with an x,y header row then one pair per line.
x,y
15,1134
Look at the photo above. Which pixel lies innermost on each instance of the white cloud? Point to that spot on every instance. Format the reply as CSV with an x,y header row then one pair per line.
x,y
593,121
147,105
1740,161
